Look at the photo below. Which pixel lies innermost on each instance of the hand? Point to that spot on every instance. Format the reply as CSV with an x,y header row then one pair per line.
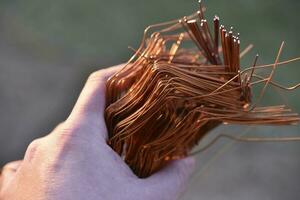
x,y
74,162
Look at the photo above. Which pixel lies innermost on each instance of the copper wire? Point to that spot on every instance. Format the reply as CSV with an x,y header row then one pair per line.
x,y
168,97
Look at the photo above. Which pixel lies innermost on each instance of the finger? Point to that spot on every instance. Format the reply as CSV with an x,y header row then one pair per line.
x,y
8,172
172,180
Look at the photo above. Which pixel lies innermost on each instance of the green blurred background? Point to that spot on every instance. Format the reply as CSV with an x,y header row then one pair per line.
x,y
48,48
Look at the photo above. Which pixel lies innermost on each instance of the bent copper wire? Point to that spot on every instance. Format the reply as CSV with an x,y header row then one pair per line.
x,y
168,97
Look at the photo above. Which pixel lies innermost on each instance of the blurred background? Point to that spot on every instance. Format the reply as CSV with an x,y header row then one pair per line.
x,y
48,49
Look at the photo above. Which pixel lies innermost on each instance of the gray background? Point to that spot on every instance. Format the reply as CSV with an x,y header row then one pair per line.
x,y
48,48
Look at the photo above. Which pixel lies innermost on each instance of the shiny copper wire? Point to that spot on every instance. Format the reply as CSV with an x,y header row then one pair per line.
x,y
166,99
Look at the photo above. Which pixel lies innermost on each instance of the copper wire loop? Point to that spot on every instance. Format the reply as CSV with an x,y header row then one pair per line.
x,y
183,81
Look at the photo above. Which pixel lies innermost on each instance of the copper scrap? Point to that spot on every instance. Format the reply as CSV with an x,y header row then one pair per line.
x,y
170,95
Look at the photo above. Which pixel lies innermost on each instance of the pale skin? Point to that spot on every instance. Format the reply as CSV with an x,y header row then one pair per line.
x,y
74,162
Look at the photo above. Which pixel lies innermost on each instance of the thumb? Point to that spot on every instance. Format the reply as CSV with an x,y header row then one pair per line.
x,y
87,114
91,101
171,181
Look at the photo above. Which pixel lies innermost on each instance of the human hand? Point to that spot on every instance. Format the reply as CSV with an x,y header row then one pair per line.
x,y
74,161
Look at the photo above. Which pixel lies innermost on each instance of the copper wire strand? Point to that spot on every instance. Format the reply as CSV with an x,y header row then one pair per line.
x,y
145,35
257,67
246,50
262,92
246,139
262,79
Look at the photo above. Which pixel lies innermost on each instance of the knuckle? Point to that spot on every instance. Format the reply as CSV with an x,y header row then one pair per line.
x,y
34,145
96,76
6,166
12,165
59,126
33,149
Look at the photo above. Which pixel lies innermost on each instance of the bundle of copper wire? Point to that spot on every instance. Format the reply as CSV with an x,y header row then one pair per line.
x,y
180,84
